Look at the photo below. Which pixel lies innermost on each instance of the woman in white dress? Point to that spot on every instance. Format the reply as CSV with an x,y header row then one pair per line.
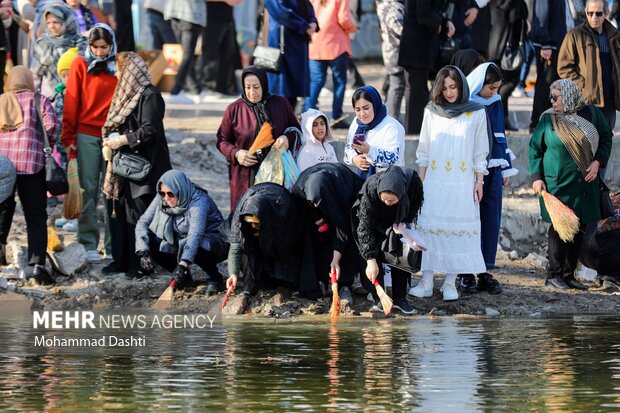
x,y
452,157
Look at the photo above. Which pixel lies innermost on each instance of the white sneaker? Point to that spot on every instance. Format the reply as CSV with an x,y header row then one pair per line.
x,y
93,256
71,226
181,97
519,92
449,292
197,98
422,290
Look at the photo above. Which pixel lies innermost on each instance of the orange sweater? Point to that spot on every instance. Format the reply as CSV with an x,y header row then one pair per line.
x,y
87,101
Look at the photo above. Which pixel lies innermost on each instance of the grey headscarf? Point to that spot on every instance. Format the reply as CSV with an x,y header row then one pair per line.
x,y
163,221
452,110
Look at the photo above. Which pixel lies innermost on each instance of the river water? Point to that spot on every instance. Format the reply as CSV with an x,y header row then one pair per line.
x,y
420,364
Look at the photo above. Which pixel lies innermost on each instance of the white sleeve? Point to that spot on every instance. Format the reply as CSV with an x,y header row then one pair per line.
x,y
349,152
424,141
481,143
389,151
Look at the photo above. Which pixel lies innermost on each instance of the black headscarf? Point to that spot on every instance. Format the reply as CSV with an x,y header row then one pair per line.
x,y
333,187
396,180
259,109
467,60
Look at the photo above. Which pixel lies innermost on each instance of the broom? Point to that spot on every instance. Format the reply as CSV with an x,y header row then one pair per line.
x,y
73,204
263,139
386,301
335,309
563,219
228,293
165,300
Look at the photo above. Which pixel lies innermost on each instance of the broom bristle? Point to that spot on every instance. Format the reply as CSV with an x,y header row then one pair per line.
x,y
335,308
73,203
165,300
563,219
386,301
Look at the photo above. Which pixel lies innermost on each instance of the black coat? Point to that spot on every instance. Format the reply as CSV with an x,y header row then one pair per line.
x,y
507,20
144,129
419,45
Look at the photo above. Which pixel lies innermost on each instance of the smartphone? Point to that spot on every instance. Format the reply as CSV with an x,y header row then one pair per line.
x,y
358,138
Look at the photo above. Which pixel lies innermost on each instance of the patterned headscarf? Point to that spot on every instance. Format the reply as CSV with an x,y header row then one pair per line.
x,y
92,60
579,136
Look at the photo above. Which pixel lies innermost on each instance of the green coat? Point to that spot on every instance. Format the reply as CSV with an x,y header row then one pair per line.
x,y
550,161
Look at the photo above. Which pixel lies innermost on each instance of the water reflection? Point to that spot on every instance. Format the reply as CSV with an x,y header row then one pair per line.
x,y
423,364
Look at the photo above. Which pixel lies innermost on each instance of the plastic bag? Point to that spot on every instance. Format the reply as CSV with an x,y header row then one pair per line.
x,y
291,171
271,169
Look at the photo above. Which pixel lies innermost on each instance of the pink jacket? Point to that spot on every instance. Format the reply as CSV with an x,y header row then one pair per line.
x,y
335,24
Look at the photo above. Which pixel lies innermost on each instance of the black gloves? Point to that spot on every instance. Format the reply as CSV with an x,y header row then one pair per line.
x,y
182,277
146,262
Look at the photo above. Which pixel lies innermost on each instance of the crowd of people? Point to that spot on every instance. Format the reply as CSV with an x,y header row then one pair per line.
x,y
370,215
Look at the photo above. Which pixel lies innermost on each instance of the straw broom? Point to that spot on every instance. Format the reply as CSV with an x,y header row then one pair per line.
x,y
563,219
263,139
73,203
335,309
386,301
165,300
228,293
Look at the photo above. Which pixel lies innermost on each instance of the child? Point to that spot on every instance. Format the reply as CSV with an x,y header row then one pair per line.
x,y
484,82
316,133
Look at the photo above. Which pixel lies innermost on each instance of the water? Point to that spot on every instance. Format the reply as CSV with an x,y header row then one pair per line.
x,y
419,364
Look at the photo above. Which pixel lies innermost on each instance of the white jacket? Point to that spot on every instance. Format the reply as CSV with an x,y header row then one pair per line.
x,y
314,151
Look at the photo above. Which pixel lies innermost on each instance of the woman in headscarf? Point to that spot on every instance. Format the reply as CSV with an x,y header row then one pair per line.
x,y
61,34
570,144
241,123
181,227
376,140
89,92
22,142
388,200
467,60
265,232
134,125
452,157
328,191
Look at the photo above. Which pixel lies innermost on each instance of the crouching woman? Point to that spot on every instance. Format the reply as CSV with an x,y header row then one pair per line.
x,y
180,227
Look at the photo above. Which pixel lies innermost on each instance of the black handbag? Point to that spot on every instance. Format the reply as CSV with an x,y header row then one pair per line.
x,y
400,255
55,177
131,166
607,206
513,56
268,58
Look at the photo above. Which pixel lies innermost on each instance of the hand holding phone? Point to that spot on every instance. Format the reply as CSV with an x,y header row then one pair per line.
x,y
358,138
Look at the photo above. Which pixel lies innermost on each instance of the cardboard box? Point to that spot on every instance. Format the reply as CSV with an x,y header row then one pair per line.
x,y
156,63
173,53
167,82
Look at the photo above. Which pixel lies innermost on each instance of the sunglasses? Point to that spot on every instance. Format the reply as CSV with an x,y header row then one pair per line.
x,y
592,13
554,98
163,194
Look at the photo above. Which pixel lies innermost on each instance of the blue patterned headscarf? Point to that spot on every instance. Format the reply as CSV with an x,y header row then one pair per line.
x,y
110,59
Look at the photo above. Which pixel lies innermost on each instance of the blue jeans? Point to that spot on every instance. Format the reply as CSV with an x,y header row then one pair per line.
x,y
160,29
318,75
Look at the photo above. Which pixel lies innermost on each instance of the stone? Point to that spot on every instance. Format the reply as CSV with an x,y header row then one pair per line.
x,y
278,299
536,260
513,255
585,273
236,305
71,259
491,312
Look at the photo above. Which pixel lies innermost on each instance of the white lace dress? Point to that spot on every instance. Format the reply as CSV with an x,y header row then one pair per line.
x,y
449,223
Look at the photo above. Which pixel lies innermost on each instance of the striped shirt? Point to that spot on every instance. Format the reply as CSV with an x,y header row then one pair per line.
x,y
24,146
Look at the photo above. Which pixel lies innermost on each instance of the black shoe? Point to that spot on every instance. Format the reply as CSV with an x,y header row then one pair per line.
x,y
404,307
136,274
3,255
341,123
467,283
556,283
213,289
487,283
42,277
509,126
608,281
572,282
113,268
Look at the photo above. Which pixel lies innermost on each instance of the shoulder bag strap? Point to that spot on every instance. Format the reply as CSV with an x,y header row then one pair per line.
x,y
281,39
37,101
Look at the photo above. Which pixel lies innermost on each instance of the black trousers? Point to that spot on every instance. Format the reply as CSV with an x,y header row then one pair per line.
x,y
547,74
187,35
124,26
220,56
33,198
511,80
127,211
416,98
399,281
609,111
207,260
563,256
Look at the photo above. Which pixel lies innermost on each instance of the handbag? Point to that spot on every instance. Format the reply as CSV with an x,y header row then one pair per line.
x,y
400,255
447,49
55,177
513,55
268,58
607,206
131,166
